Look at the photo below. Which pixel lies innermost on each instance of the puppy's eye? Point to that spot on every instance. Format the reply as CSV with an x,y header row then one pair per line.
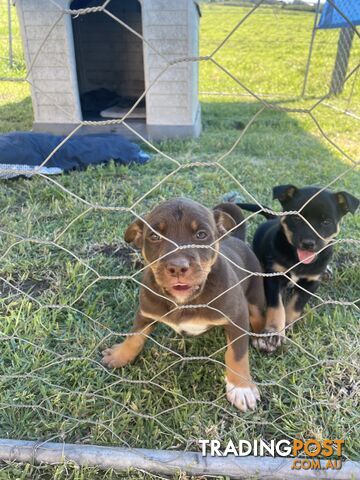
x,y
326,222
154,237
201,235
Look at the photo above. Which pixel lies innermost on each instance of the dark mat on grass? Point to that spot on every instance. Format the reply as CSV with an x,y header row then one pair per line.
x,y
22,152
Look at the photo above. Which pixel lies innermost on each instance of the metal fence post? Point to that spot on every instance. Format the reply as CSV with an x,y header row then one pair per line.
x,y
342,60
11,55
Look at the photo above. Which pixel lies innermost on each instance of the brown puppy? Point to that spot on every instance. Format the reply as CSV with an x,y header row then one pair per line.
x,y
218,289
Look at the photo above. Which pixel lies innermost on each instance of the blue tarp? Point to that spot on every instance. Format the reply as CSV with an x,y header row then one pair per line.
x,y
22,152
331,18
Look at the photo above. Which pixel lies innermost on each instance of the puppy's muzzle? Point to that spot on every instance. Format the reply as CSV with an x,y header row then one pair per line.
x,y
308,244
177,266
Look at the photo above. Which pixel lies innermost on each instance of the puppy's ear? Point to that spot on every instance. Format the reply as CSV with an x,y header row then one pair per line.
x,y
347,202
284,193
224,221
134,233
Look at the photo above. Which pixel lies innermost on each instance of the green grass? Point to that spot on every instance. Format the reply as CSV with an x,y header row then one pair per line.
x,y
17,70
52,384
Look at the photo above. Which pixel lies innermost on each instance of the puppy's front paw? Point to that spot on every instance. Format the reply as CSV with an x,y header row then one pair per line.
x,y
117,356
270,343
243,398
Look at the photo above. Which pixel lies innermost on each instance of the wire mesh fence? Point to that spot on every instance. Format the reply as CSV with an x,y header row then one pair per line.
x,y
12,61
70,286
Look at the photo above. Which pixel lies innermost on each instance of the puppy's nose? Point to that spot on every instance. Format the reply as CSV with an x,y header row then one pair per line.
x,y
308,244
178,266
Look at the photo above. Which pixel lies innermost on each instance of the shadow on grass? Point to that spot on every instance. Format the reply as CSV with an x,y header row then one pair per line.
x,y
16,116
279,145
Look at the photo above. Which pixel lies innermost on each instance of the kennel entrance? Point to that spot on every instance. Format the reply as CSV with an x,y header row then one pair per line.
x,y
109,59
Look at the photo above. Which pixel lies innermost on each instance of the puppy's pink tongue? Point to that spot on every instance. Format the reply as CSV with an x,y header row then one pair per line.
x,y
305,256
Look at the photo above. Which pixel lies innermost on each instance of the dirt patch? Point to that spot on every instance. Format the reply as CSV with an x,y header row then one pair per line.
x,y
125,254
30,286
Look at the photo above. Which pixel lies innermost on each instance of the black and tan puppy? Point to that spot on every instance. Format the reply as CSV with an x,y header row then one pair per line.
x,y
193,275
292,241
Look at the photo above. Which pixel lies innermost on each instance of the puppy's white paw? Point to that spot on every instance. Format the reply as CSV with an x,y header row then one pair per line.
x,y
243,398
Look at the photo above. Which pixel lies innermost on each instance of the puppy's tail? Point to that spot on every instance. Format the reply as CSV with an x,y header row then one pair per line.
x,y
252,207
232,210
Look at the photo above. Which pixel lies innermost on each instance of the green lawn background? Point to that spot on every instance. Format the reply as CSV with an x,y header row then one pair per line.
x,y
51,382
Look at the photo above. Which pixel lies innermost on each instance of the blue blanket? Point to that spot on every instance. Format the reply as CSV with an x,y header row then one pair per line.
x,y
22,152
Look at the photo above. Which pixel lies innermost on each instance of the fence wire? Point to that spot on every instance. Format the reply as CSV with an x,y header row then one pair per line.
x,y
345,56
78,408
